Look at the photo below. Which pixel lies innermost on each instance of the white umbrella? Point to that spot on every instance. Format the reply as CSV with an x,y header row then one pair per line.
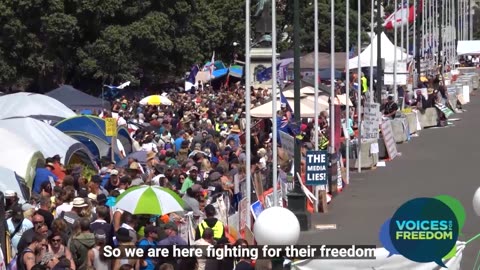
x,y
156,100
149,200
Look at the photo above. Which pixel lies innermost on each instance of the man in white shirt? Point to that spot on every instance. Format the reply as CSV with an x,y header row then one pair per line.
x,y
16,226
120,120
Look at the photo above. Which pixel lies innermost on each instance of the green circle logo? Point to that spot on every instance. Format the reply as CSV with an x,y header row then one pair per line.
x,y
424,229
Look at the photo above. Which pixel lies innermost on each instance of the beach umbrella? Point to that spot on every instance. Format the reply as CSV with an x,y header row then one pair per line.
x,y
149,200
156,100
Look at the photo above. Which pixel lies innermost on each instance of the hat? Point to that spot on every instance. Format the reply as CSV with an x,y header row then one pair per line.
x,y
57,157
113,172
186,119
124,101
262,151
97,179
79,202
193,168
150,155
49,164
235,129
27,206
10,193
92,196
171,226
283,105
134,166
46,258
123,235
197,188
154,116
100,234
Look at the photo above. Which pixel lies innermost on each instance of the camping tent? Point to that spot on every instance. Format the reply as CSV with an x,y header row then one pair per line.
x,y
388,52
90,131
19,155
466,47
33,105
76,99
9,180
49,140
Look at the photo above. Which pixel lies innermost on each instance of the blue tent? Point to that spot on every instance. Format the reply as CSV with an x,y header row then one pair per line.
x,y
90,130
220,69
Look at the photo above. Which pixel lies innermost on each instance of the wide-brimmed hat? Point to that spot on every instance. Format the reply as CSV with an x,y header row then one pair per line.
x,y
49,164
150,155
123,235
79,202
134,166
235,129
186,119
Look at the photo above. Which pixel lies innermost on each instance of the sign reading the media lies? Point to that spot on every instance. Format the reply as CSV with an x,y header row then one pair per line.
x,y
317,168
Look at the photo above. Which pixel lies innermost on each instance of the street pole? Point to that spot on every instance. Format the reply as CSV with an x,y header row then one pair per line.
x,y
359,89
296,198
347,87
315,77
418,40
440,37
274,103
332,76
379,53
395,32
372,33
248,97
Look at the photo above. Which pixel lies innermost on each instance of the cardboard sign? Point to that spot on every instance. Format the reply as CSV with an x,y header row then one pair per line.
x,y
445,110
371,121
257,209
110,127
389,140
288,143
243,210
317,168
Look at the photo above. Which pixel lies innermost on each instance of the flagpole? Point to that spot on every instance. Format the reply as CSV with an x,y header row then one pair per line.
x,y
347,87
274,103
414,44
395,41
248,97
315,77
359,89
332,77
372,33
401,31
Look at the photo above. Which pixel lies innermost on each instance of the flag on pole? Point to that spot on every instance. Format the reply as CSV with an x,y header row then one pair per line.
x,y
284,100
121,86
212,64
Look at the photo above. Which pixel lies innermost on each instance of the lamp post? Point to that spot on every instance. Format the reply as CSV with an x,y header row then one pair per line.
x,y
296,198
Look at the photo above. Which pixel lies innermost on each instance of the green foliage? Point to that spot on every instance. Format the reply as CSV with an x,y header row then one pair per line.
x,y
44,43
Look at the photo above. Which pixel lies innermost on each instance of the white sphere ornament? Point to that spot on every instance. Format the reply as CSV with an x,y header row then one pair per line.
x,y
276,226
476,202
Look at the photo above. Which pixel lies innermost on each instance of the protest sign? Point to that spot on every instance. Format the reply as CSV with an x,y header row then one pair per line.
x,y
389,140
288,143
317,167
371,121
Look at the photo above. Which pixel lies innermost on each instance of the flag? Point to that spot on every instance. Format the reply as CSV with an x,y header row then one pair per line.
x,y
193,74
284,100
352,52
212,64
264,75
121,86
402,16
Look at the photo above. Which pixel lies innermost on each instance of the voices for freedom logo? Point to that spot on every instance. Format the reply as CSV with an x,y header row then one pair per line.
x,y
424,229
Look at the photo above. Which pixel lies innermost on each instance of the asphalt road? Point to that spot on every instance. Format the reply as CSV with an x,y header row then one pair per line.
x,y
439,161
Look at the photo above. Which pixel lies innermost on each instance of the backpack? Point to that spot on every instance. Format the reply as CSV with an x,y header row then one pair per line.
x,y
15,264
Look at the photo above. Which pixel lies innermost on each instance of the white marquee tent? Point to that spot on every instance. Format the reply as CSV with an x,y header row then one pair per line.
x,y
468,47
388,52
47,139
9,180
19,155
33,105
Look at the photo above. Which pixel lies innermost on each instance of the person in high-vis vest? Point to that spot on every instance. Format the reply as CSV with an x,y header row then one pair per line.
x,y
323,142
210,222
364,84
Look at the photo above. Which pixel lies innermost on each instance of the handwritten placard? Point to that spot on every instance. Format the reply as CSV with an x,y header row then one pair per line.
x,y
371,121
390,144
